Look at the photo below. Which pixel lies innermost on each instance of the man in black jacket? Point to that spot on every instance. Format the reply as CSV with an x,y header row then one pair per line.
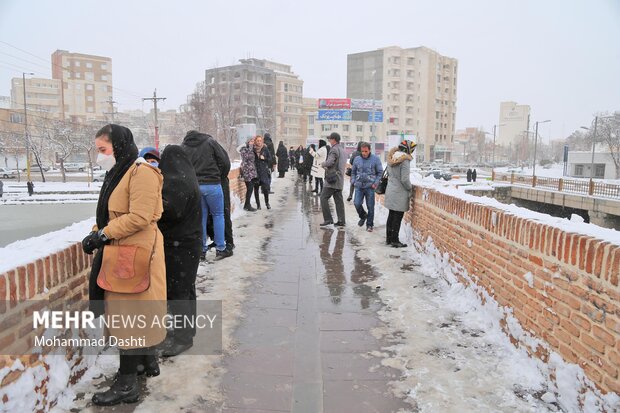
x,y
210,161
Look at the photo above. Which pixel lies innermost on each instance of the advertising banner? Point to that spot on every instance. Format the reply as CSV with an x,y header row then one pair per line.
x,y
378,116
334,114
328,103
366,104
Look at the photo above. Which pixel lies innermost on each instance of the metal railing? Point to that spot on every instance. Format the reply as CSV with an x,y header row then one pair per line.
x,y
591,187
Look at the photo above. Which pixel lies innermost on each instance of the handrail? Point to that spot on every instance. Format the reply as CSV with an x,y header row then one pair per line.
x,y
591,187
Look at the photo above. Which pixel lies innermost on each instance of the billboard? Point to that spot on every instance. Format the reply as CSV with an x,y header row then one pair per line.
x,y
337,114
328,103
366,104
378,116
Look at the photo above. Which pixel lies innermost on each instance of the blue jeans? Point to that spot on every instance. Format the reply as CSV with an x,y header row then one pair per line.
x,y
212,201
369,194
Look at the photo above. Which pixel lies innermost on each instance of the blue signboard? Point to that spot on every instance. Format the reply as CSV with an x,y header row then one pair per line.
x,y
334,114
378,116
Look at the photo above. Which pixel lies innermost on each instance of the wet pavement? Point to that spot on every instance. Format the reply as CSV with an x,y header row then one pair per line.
x,y
305,342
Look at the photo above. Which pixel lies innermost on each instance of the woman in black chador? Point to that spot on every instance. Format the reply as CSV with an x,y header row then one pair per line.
x,y
282,155
181,226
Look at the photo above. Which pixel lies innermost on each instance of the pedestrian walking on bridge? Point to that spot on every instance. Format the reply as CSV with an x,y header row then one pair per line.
x,y
398,192
366,173
334,165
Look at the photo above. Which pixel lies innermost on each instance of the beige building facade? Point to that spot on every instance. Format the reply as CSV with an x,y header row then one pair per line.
x,y
43,96
514,121
86,84
418,89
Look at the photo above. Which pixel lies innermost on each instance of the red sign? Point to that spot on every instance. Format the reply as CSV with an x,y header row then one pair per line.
x,y
327,103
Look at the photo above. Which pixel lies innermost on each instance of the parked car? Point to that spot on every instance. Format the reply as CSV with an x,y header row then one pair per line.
x,y
7,173
439,174
99,176
36,168
75,167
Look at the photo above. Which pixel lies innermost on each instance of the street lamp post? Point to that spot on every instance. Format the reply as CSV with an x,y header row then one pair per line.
x,y
374,95
26,127
536,145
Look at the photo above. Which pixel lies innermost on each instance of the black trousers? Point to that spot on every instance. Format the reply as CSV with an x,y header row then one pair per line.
x,y
228,231
249,188
392,227
318,182
265,187
130,359
181,266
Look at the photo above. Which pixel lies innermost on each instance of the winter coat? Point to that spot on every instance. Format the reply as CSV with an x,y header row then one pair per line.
x,y
335,163
366,172
248,162
263,166
181,219
319,157
272,151
282,155
208,157
134,207
398,190
308,160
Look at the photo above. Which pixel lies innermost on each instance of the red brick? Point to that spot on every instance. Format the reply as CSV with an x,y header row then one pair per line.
x,y
598,260
582,322
22,282
612,384
568,354
592,372
40,276
593,343
614,270
589,258
603,335
536,260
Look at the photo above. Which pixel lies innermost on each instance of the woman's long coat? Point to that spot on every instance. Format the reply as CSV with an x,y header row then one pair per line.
x,y
135,206
398,192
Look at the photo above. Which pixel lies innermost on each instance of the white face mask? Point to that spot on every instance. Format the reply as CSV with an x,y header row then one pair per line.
x,y
107,162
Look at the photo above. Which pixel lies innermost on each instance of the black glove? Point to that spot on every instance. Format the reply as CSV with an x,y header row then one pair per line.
x,y
92,242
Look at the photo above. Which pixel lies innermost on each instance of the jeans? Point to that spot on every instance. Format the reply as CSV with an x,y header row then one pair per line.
x,y
337,194
212,200
369,194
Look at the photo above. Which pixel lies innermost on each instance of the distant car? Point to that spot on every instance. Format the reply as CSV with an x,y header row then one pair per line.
x,y
439,174
75,167
7,173
99,176
36,168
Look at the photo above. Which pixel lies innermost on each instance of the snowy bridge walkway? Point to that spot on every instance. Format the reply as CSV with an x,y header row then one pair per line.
x,y
335,321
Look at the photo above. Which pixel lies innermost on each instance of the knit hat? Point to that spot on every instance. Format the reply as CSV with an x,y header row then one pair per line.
x,y
407,146
150,152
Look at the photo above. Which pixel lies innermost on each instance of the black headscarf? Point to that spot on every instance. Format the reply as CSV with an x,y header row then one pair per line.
x,y
125,153
181,196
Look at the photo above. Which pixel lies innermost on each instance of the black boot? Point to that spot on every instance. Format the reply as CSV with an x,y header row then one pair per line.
x,y
123,390
267,201
150,366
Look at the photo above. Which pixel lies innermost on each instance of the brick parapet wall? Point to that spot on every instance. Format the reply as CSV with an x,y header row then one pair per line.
x,y
54,281
573,301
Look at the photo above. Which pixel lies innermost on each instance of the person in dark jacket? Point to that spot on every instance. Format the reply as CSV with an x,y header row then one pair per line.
x,y
473,175
366,173
272,151
30,187
291,158
299,160
180,225
469,175
354,155
248,172
210,162
282,155
263,170
308,161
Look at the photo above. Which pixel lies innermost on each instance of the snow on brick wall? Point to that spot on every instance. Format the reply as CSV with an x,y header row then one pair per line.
x,y
561,287
55,279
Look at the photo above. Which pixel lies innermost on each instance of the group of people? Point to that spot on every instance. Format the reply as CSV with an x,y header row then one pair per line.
x,y
329,165
154,215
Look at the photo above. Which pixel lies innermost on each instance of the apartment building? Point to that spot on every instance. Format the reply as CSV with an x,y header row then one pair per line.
x,y
418,90
86,84
42,95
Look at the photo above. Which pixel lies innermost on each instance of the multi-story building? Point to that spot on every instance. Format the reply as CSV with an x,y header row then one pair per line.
x,y
288,99
260,92
514,121
418,90
308,121
42,95
86,84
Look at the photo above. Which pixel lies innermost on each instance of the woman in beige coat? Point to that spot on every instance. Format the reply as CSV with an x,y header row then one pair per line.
x,y
129,206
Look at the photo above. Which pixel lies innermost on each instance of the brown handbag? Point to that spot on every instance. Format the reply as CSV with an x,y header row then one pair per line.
x,y
126,269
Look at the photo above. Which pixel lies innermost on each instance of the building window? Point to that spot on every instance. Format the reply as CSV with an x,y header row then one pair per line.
x,y
326,127
89,98
104,66
578,170
76,63
360,128
77,76
90,109
345,128
89,76
310,131
89,87
89,65
599,170
104,78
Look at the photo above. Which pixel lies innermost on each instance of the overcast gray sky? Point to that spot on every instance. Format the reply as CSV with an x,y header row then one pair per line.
x,y
562,57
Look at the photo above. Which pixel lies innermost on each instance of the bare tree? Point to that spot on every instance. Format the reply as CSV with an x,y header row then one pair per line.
x,y
608,133
63,140
12,145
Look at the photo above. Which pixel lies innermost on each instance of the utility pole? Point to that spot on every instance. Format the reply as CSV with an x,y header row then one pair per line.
x,y
374,96
155,99
26,127
536,145
112,112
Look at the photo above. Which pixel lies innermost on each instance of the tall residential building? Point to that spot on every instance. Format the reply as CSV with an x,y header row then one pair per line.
x,y
418,90
260,92
289,101
86,84
42,95
243,93
514,121
308,121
